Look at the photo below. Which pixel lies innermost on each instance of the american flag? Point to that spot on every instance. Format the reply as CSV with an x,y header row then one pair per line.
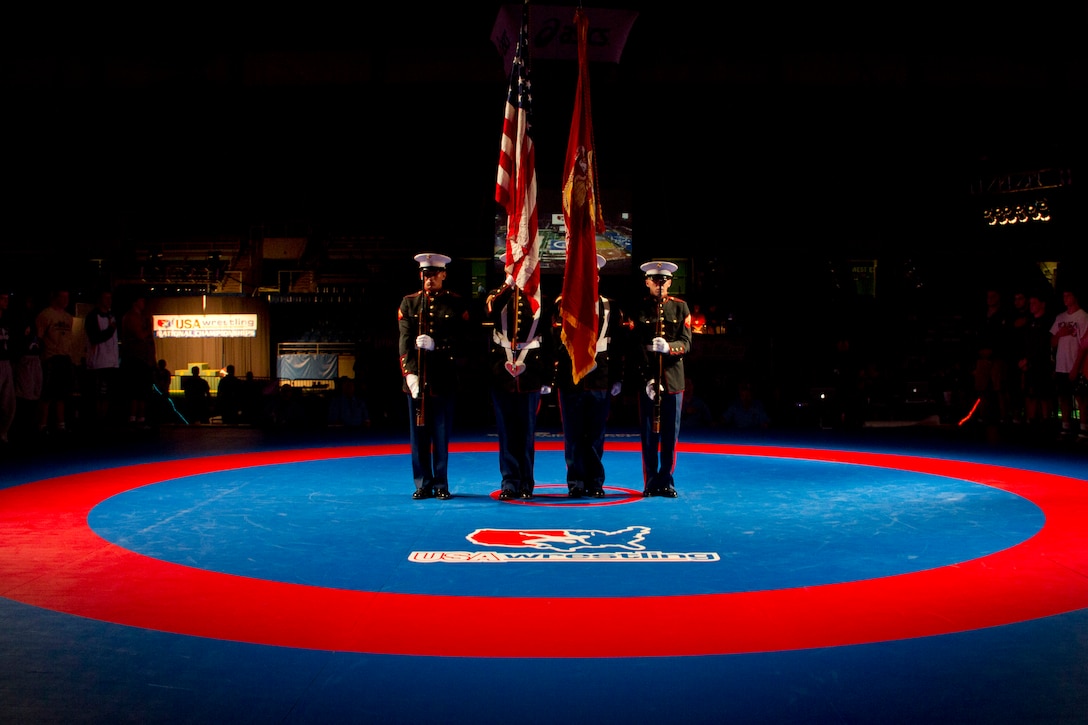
x,y
515,187
582,214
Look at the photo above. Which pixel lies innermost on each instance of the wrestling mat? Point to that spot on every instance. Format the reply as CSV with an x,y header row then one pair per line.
x,y
786,583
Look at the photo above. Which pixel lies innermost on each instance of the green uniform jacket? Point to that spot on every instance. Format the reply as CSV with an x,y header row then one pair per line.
x,y
445,318
674,319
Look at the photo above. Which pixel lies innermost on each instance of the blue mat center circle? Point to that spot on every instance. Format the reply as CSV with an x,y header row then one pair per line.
x,y
770,524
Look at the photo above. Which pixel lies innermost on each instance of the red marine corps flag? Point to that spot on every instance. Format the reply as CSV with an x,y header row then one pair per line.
x,y
582,214
515,187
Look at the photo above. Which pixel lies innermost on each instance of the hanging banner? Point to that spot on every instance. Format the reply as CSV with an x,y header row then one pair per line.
x,y
205,325
309,366
553,35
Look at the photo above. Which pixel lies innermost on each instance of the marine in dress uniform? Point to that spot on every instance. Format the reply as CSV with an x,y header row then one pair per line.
x,y
433,326
662,336
521,370
584,406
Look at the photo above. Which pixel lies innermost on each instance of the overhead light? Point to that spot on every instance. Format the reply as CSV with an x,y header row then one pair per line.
x,y
1036,211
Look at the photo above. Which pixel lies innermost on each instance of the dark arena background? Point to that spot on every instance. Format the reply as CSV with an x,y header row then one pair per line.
x,y
840,188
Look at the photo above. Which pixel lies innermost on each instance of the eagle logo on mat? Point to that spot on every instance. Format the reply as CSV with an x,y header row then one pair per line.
x,y
535,545
629,538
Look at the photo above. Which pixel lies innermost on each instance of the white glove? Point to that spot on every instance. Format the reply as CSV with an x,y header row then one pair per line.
x,y
660,344
545,389
616,388
651,389
413,384
509,280
425,342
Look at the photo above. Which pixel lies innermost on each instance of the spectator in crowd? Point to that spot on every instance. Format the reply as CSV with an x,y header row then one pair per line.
x,y
163,408
698,319
28,367
746,412
287,408
197,396
991,366
229,397
54,329
103,358
1069,337
1020,317
847,382
7,374
138,360
162,377
347,408
1036,364
252,399
695,413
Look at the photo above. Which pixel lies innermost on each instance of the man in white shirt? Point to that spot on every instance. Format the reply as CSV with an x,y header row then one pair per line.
x,y
1069,337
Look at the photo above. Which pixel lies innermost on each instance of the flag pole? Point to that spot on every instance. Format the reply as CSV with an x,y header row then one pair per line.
x,y
660,383
515,186
514,331
421,361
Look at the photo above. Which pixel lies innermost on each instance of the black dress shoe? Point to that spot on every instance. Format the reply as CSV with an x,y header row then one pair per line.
x,y
443,495
668,492
526,494
506,494
649,492
575,493
595,493
422,493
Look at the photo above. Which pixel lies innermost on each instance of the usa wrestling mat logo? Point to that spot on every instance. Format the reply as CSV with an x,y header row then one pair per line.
x,y
559,545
